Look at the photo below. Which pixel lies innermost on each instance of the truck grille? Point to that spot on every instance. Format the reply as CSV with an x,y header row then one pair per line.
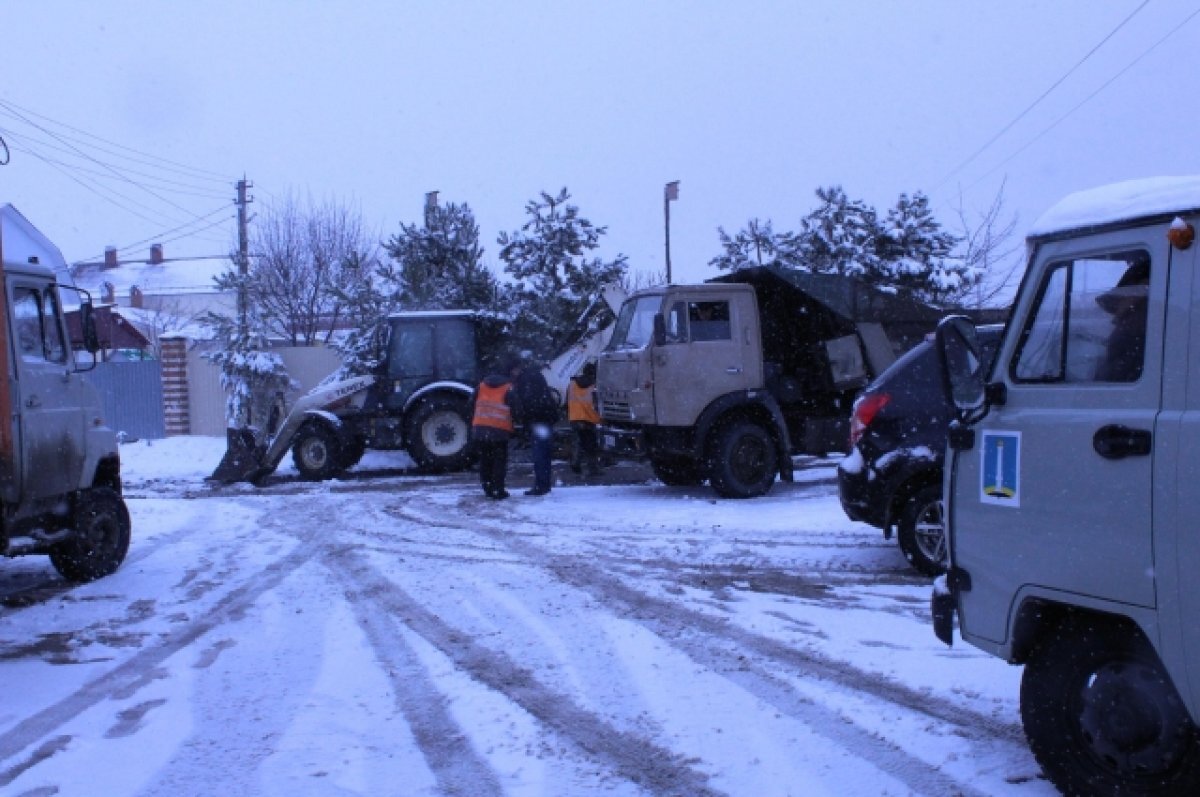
x,y
616,410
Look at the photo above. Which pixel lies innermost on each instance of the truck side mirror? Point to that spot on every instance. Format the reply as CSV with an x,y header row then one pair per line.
x,y
87,319
660,330
962,366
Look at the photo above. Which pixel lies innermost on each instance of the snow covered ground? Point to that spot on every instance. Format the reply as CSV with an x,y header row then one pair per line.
x,y
394,634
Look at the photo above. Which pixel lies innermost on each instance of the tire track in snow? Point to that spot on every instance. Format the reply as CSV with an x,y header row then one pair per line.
x,y
448,753
127,677
636,758
719,645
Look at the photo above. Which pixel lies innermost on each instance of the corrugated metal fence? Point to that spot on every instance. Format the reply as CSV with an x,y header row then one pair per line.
x,y
131,393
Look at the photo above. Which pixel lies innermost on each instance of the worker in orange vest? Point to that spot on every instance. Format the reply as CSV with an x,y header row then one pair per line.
x,y
491,429
581,412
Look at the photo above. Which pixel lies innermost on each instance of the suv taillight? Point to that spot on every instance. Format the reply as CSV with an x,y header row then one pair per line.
x,y
865,410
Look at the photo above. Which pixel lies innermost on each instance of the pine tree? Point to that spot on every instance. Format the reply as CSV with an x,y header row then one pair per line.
x,y
555,273
755,245
839,237
255,379
915,253
439,265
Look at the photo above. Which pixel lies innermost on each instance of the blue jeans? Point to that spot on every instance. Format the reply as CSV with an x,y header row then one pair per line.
x,y
541,445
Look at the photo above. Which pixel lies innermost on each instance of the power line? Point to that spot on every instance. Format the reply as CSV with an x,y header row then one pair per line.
x,y
158,238
16,111
1041,97
1088,98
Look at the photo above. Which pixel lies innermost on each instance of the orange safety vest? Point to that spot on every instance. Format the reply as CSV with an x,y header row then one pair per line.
x,y
579,403
490,409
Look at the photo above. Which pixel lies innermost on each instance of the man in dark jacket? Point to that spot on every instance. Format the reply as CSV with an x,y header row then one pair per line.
x,y
491,428
534,407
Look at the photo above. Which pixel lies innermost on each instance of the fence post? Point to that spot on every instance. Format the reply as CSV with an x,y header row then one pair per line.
x,y
176,412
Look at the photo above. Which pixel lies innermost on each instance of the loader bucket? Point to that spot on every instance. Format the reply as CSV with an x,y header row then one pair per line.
x,y
243,460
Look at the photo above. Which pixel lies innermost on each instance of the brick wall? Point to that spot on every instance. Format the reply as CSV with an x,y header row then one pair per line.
x,y
176,412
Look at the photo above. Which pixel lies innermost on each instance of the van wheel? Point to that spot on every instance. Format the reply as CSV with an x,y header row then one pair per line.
x,y
101,540
922,528
316,452
677,472
439,434
1102,716
742,461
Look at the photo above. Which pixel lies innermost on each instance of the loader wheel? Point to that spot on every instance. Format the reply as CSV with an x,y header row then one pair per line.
x,y
317,453
742,460
1102,716
439,434
677,472
352,449
101,540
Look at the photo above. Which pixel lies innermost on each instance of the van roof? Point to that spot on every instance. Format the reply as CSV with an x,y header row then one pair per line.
x,y
1120,203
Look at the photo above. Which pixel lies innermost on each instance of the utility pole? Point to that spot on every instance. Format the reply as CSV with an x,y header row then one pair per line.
x,y
243,257
670,193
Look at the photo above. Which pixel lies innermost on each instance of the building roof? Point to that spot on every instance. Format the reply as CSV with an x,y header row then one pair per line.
x,y
172,277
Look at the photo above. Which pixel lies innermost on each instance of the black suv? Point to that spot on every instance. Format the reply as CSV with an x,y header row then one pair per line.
x,y
892,476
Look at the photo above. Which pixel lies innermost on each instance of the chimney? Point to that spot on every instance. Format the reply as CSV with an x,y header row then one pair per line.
x,y
110,257
108,291
156,255
135,296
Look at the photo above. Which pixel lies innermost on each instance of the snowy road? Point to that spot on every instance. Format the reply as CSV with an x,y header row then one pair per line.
x,y
403,635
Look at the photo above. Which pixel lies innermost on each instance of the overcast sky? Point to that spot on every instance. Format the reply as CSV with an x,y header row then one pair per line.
x,y
750,105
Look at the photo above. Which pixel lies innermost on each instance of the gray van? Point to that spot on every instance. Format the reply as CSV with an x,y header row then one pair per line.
x,y
1072,506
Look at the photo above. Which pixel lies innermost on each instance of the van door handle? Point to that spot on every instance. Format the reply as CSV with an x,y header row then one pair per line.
x,y
733,369
1117,442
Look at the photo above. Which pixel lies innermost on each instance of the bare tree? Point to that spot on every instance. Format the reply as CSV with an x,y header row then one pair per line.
x,y
988,247
300,256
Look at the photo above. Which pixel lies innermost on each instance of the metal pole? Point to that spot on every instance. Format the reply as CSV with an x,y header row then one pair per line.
x,y
670,193
667,222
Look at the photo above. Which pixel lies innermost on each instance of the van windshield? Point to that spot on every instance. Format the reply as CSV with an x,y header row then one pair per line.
x,y
635,323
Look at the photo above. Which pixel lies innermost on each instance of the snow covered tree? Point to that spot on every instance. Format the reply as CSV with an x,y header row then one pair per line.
x,y
755,245
914,253
439,265
555,272
254,379
838,237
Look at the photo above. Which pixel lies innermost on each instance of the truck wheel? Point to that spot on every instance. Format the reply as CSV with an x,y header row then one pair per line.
x,y
316,452
439,434
742,461
922,531
101,540
677,472
1102,716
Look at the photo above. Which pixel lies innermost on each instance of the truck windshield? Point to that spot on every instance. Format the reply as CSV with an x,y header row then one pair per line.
x,y
635,323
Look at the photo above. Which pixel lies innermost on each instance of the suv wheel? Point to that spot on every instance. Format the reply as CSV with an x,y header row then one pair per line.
x,y
922,528
1102,717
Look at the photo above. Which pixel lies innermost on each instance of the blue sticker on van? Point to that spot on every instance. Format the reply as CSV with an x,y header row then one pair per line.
x,y
1001,468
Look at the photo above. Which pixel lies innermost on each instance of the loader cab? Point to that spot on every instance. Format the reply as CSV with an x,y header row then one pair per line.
x,y
428,347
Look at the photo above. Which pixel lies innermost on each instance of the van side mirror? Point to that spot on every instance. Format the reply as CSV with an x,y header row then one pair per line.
x,y
962,366
660,330
87,322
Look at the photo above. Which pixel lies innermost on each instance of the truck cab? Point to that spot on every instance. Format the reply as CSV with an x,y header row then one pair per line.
x,y
60,480
1072,516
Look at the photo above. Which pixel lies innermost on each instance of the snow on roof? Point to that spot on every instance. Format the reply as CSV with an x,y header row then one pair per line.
x,y
170,277
1118,202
